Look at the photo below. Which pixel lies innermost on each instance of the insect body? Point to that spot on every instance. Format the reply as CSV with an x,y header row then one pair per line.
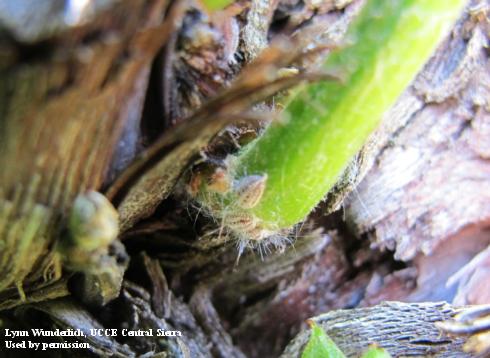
x,y
230,201
249,190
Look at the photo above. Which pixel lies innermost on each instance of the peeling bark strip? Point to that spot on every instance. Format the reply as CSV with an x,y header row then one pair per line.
x,y
402,329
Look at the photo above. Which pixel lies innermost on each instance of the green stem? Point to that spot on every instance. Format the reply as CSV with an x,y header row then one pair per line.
x,y
327,123
299,158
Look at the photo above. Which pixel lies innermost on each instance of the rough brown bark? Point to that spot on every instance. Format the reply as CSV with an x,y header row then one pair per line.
x,y
404,330
427,173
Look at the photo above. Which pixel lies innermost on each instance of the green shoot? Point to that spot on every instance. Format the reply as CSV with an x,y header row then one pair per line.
x,y
300,157
320,345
